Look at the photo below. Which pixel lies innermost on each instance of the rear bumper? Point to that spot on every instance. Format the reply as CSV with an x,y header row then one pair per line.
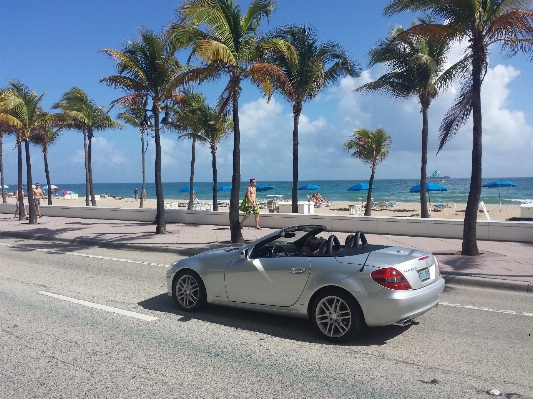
x,y
388,306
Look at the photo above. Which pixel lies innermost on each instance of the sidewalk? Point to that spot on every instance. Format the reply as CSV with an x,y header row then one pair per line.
x,y
502,265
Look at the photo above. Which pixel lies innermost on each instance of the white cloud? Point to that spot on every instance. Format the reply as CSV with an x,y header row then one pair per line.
x,y
168,153
258,117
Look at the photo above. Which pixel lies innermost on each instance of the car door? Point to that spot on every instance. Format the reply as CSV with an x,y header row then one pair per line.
x,y
274,281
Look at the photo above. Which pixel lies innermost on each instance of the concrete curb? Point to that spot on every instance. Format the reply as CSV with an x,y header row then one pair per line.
x,y
487,282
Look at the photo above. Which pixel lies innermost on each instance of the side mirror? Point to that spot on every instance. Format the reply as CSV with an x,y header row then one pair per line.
x,y
244,254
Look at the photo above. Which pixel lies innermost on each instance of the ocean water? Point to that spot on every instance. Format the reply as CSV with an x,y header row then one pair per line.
x,y
333,190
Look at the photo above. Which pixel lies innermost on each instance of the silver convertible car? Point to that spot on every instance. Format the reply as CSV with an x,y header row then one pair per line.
x,y
340,287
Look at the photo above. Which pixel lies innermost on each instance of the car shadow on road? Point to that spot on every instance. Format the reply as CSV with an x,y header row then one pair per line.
x,y
296,329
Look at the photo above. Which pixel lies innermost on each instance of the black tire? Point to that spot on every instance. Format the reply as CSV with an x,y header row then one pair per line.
x,y
336,316
189,291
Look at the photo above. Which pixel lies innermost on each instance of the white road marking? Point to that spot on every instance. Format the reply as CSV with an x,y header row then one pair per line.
x,y
458,305
101,307
55,251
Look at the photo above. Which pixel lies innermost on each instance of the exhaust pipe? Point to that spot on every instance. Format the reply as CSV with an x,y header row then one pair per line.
x,y
404,322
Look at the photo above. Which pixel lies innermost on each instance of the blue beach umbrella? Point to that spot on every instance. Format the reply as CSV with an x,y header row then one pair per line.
x,y
265,187
186,189
429,187
360,186
224,188
499,183
310,187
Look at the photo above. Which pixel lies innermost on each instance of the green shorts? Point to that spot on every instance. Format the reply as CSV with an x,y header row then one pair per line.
x,y
248,208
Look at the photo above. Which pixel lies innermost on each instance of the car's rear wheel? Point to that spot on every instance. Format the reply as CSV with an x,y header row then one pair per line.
x,y
336,316
189,291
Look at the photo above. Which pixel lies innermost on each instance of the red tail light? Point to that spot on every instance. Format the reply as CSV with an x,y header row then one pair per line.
x,y
391,278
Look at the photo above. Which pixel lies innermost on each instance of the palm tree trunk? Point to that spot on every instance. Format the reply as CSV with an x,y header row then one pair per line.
x,y
469,246
368,208
4,199
236,234
87,191
161,226
215,177
143,187
31,204
19,180
191,179
297,110
47,173
90,168
424,213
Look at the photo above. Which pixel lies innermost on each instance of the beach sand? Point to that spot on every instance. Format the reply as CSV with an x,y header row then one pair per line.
x,y
400,209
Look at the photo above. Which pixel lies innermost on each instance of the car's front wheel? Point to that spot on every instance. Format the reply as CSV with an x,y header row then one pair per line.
x,y
336,316
189,291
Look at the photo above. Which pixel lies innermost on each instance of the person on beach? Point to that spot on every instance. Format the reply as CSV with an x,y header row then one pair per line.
x,y
37,195
144,194
16,194
135,193
249,204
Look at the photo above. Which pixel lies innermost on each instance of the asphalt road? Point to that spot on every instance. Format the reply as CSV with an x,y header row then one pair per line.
x,y
126,339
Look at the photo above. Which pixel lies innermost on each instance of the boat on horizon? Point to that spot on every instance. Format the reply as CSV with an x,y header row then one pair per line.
x,y
436,175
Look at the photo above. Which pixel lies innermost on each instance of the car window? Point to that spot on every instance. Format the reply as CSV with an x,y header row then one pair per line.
x,y
290,241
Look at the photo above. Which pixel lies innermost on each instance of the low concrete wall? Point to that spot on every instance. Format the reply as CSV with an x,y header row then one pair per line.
x,y
446,228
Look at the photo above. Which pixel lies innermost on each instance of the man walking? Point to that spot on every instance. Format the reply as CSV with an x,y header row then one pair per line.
x,y
37,195
136,193
249,204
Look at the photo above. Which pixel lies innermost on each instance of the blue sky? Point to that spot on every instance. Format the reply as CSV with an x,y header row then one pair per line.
x,y
52,46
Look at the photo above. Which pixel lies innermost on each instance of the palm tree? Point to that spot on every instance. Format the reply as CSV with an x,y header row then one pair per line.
x,y
371,147
134,115
317,66
207,125
480,24
85,116
22,110
186,121
228,43
148,69
216,127
45,137
415,68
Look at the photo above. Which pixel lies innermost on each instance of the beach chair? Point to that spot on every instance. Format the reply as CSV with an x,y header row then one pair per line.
x,y
380,206
438,207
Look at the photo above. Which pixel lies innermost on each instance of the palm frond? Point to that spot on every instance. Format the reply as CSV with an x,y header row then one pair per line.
x,y
458,114
213,51
268,77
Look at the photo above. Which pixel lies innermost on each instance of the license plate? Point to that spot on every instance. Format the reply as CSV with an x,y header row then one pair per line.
x,y
423,274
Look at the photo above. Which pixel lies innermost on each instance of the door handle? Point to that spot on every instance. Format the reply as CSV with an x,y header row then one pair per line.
x,y
297,270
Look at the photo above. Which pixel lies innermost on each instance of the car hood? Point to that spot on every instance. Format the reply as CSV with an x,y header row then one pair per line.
x,y
230,251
